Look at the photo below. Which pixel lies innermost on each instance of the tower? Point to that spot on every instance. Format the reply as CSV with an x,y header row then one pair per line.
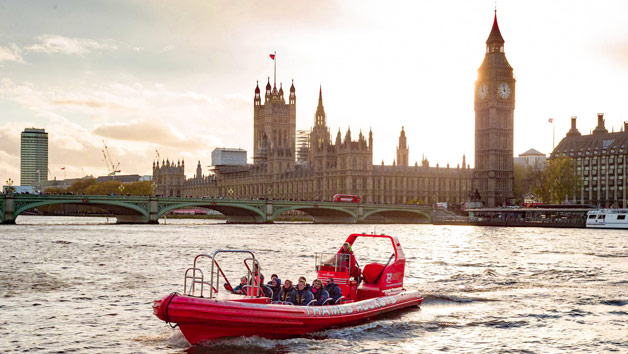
x,y
319,137
274,124
34,157
494,114
403,150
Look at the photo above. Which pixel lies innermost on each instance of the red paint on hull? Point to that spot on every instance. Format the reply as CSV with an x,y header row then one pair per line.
x,y
203,319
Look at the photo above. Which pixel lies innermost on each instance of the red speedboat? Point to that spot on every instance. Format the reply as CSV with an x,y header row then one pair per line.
x,y
204,313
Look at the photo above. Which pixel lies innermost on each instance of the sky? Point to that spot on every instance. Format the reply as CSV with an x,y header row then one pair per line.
x,y
178,77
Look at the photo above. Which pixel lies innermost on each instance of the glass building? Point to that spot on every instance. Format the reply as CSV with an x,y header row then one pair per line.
x,y
34,157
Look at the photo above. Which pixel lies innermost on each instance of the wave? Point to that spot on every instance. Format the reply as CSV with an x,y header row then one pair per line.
x,y
429,299
614,302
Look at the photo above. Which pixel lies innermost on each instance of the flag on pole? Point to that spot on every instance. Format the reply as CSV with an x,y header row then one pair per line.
x,y
551,120
272,56
62,168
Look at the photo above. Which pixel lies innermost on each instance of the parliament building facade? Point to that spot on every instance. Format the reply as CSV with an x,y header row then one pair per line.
x,y
342,165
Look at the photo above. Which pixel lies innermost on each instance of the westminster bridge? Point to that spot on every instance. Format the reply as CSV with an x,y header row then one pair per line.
x,y
148,210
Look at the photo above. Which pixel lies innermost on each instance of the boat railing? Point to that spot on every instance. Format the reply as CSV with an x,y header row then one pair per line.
x,y
215,273
333,262
194,280
219,271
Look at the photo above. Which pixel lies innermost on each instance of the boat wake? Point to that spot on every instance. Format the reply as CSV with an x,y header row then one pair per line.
x,y
439,299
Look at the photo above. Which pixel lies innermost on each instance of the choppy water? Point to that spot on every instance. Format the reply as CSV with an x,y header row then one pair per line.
x,y
77,284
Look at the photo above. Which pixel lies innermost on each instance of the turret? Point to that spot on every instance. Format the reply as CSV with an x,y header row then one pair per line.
x,y
268,92
257,100
292,99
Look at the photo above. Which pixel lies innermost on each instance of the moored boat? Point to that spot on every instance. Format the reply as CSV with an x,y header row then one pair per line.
x,y
204,311
607,219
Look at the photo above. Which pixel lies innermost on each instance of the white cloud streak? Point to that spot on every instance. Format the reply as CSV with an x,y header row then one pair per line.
x,y
49,43
11,53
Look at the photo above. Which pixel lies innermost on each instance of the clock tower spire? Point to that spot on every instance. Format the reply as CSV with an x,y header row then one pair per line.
x,y
494,105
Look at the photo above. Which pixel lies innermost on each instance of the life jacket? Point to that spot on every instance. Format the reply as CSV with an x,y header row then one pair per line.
x,y
301,297
318,294
285,293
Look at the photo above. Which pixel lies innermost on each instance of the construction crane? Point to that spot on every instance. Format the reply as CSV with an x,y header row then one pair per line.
x,y
112,167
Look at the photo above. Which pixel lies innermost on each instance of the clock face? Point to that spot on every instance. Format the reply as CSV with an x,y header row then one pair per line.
x,y
482,91
503,90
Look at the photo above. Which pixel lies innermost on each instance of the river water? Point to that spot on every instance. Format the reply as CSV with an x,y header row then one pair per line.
x,y
80,284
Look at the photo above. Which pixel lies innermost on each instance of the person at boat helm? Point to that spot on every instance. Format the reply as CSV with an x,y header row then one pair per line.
x,y
256,271
333,289
302,295
349,259
287,293
240,288
320,294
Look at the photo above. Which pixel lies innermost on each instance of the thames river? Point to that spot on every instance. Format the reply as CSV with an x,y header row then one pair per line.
x,y
85,285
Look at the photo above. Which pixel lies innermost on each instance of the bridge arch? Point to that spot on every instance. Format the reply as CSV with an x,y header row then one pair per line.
x,y
117,208
235,212
320,213
395,215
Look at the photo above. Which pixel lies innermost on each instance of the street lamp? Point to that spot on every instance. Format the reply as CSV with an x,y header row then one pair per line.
x,y
121,188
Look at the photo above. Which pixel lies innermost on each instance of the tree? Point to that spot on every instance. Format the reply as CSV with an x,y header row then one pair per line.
x,y
559,180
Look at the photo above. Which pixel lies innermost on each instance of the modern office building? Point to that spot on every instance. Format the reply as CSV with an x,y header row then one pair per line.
x,y
34,157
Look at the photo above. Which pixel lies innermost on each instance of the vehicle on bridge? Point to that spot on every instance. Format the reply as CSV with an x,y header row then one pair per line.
x,y
347,198
205,312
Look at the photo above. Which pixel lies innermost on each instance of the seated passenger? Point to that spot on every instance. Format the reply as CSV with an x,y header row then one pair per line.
x,y
274,277
320,294
240,288
333,289
287,293
303,296
275,286
307,286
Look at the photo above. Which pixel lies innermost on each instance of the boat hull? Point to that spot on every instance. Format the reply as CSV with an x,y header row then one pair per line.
x,y
202,319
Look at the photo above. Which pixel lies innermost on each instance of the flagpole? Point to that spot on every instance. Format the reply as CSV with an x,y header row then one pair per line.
x,y
275,75
553,134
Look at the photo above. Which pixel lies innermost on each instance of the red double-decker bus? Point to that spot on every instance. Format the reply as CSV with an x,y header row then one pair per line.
x,y
347,198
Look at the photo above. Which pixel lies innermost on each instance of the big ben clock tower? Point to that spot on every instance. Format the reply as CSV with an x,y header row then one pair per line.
x,y
494,112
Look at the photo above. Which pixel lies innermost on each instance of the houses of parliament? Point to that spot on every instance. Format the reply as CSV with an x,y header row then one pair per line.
x,y
344,165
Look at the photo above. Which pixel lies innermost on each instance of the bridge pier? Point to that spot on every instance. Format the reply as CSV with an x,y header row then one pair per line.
x,y
8,209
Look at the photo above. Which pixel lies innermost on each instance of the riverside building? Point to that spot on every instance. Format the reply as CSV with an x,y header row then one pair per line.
x,y
33,157
327,167
315,166
600,161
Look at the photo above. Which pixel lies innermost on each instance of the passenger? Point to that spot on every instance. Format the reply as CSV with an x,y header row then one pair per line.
x,y
274,277
240,288
320,294
302,295
275,286
307,286
287,293
333,289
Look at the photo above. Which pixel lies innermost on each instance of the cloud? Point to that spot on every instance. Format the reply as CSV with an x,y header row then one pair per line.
x,y
11,53
49,43
152,132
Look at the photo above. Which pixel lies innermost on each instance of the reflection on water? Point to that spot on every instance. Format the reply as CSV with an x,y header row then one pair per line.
x,y
82,284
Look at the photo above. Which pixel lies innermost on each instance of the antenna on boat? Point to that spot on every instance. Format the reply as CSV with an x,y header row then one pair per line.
x,y
373,233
